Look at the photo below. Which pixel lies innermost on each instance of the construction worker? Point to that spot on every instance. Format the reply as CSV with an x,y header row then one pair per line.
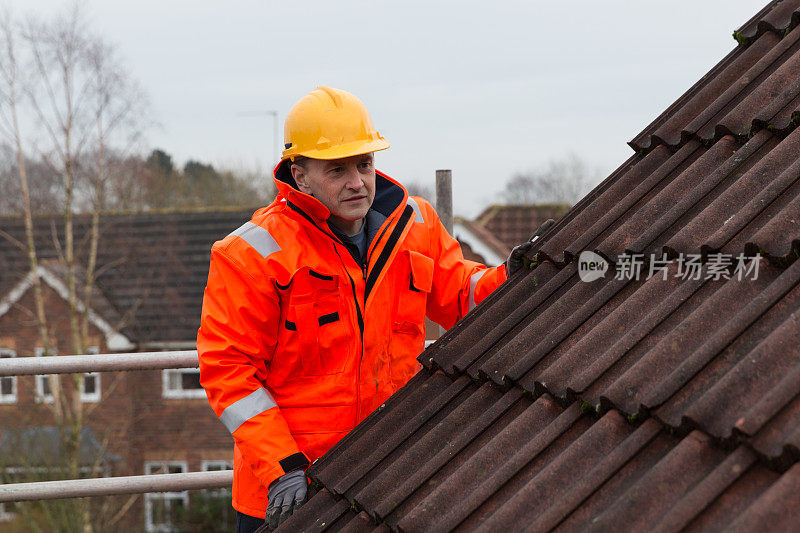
x,y
314,310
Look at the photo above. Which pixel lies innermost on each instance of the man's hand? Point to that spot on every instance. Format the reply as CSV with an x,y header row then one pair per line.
x,y
516,260
286,494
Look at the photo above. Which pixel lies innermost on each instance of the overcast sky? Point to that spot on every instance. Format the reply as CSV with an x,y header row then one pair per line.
x,y
486,89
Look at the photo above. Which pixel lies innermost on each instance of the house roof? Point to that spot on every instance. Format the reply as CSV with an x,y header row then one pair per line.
x,y
513,224
652,404
152,267
101,313
478,243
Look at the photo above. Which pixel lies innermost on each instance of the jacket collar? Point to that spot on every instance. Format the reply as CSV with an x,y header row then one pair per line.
x,y
389,194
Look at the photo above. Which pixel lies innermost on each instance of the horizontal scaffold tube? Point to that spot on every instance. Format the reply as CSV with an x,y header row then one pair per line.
x,y
106,486
68,364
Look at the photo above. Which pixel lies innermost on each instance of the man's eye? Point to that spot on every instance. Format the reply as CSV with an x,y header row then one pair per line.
x,y
337,169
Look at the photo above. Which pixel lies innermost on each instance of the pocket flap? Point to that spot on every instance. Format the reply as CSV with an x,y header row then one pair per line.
x,y
421,271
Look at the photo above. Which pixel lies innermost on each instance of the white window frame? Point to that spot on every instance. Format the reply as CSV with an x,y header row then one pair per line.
x,y
217,464
206,466
169,392
8,398
151,497
41,397
91,397
6,516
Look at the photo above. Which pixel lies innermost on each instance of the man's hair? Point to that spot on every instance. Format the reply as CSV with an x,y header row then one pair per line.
x,y
300,161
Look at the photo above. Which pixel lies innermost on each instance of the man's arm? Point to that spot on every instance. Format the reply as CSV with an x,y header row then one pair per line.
x,y
458,284
235,344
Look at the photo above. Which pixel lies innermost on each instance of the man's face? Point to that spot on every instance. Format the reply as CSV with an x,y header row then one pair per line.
x,y
345,186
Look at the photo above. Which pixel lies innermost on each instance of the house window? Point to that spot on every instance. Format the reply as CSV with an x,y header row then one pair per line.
x,y
43,390
164,511
182,383
215,466
8,386
215,502
7,511
90,386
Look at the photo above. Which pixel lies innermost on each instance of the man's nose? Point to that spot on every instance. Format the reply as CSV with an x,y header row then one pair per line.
x,y
354,180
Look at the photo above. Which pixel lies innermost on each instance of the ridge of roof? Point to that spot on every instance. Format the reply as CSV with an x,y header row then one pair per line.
x,y
720,102
777,16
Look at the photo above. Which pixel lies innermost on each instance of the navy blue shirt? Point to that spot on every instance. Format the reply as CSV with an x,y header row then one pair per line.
x,y
359,240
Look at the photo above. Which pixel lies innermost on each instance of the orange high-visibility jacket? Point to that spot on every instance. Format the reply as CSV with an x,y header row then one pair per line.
x,y
298,343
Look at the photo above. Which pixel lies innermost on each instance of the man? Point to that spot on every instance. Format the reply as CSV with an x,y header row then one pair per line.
x,y
314,310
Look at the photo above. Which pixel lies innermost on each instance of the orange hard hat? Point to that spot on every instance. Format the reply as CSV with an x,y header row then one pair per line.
x,y
329,123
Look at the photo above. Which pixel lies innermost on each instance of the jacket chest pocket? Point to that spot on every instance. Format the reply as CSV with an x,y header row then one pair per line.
x,y
316,325
409,316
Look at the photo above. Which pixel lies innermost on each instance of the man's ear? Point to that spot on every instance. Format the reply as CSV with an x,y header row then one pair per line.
x,y
299,175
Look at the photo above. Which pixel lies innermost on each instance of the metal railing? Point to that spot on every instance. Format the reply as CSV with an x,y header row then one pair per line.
x,y
106,486
69,364
80,488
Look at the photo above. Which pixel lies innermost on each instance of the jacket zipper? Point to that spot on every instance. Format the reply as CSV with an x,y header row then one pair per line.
x,y
360,318
393,238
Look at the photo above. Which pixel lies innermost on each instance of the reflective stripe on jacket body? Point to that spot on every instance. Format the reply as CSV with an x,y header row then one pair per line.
x,y
298,343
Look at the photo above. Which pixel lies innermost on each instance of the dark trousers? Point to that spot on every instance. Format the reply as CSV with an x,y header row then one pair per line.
x,y
246,523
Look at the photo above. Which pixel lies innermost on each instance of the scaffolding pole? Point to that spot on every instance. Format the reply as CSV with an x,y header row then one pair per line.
x,y
69,364
106,486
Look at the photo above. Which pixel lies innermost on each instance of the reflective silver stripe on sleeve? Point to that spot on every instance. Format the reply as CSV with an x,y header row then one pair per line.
x,y
473,282
258,238
240,412
415,207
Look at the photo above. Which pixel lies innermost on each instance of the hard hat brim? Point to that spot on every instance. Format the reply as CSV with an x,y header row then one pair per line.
x,y
342,150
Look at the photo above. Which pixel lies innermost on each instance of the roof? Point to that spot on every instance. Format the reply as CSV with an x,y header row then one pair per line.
x,y
152,267
514,224
652,404
478,244
101,313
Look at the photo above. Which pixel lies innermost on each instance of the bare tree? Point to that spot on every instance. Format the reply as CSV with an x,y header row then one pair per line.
x,y
87,114
561,181
13,86
44,187
117,107
417,188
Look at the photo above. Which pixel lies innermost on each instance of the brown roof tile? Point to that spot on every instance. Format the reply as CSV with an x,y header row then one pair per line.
x,y
514,224
489,459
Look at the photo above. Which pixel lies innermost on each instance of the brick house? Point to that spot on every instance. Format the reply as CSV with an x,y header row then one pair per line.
x,y
147,297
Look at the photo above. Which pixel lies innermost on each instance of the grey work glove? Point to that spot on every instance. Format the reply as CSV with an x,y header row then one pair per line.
x,y
516,260
286,494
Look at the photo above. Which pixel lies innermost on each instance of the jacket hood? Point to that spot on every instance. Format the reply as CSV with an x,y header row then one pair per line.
x,y
389,194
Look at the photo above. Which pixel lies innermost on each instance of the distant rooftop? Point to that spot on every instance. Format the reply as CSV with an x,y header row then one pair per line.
x,y
152,266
